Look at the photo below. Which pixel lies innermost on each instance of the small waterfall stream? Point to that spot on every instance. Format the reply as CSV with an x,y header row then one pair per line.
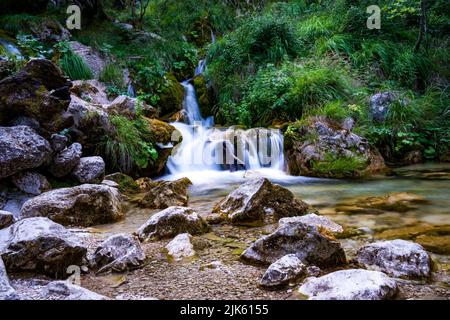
x,y
209,153
10,48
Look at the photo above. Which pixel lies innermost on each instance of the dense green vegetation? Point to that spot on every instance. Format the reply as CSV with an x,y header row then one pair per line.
x,y
277,62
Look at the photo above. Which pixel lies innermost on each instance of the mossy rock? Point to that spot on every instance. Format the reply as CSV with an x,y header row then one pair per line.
x,y
160,130
204,96
126,183
171,97
200,33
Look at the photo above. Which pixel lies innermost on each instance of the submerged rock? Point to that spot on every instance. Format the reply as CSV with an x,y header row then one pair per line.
x,y
323,148
90,170
171,222
6,219
397,202
84,205
21,148
259,201
307,242
6,291
180,247
31,182
164,194
353,284
64,290
313,219
39,245
282,271
66,160
118,253
398,258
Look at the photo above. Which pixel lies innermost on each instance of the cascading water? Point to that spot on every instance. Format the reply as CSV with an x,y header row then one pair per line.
x,y
10,48
208,154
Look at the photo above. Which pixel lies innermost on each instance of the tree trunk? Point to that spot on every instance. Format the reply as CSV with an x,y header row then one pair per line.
x,y
422,25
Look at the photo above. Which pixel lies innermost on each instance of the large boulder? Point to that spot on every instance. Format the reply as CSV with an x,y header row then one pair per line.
x,y
118,253
39,91
258,201
64,290
21,148
171,222
309,243
320,147
353,284
398,258
90,170
39,245
164,194
31,182
180,247
6,219
65,161
84,205
6,291
282,271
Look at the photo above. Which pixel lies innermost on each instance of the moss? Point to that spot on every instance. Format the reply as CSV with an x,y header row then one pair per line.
x,y
172,96
126,183
203,95
339,166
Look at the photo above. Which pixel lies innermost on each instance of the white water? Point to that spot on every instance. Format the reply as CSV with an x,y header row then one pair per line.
x,y
10,48
213,156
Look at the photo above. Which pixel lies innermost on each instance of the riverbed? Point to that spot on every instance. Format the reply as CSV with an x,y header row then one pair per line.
x,y
217,273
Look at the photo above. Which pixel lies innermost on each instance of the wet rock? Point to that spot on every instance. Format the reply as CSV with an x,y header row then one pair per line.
x,y
64,290
164,194
380,103
282,271
66,161
307,242
180,247
111,184
398,258
6,219
90,170
171,222
6,291
83,205
353,284
313,219
313,149
58,142
39,91
41,246
259,201
118,253
31,182
21,148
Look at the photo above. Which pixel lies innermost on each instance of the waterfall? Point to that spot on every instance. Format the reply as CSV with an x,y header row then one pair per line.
x,y
207,152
